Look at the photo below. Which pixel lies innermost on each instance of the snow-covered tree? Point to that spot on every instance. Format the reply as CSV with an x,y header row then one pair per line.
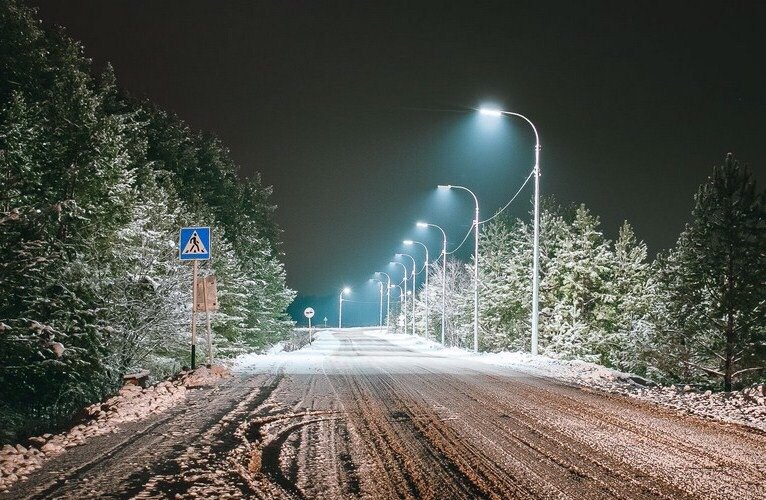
x,y
505,291
95,186
717,273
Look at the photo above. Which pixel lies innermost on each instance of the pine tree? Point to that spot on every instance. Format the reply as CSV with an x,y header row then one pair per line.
x,y
505,277
623,310
722,271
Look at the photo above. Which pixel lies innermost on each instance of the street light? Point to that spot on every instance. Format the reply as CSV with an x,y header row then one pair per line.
x,y
388,296
340,306
403,294
475,266
426,267
380,287
426,225
414,274
536,238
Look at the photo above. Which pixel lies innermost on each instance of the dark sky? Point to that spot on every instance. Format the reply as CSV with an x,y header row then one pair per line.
x,y
352,110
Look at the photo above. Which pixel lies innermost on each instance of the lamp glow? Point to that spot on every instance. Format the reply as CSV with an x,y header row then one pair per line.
x,y
407,242
444,186
347,290
421,224
490,112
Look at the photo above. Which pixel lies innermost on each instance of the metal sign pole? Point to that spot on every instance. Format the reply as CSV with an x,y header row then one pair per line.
x,y
194,317
310,336
207,318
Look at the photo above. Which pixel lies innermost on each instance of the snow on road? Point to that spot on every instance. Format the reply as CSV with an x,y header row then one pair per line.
x,y
746,407
482,419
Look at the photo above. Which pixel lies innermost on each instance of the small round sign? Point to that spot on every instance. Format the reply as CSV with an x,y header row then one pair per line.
x,y
309,313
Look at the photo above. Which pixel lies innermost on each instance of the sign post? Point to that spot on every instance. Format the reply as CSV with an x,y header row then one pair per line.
x,y
194,245
309,313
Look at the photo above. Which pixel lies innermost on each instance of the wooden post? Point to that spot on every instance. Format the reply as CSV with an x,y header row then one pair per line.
x,y
207,319
194,317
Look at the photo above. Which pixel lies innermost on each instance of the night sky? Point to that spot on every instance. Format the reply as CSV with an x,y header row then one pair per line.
x,y
355,111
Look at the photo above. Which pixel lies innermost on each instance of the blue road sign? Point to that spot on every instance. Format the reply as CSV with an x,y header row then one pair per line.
x,y
194,243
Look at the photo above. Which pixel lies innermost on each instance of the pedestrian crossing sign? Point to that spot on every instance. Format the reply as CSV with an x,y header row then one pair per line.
x,y
194,243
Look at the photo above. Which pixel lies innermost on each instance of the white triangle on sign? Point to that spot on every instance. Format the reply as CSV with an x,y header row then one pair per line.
x,y
194,246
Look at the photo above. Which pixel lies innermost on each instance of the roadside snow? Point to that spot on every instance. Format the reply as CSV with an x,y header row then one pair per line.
x,y
130,404
308,359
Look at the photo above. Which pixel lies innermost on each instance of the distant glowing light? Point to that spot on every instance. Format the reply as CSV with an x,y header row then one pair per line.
x,y
407,242
444,186
490,112
347,290
421,224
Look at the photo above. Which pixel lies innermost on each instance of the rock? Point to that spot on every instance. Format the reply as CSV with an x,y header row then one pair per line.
x,y
641,381
51,448
687,388
20,449
130,391
708,393
38,440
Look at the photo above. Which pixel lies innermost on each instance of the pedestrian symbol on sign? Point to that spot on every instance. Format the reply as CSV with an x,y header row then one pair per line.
x,y
194,246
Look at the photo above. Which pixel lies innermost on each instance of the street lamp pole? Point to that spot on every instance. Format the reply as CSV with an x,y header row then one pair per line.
x,y
404,294
388,297
536,237
475,267
426,267
340,306
444,273
414,274
380,312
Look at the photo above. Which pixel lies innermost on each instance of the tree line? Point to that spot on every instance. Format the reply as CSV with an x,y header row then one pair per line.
x,y
95,186
695,314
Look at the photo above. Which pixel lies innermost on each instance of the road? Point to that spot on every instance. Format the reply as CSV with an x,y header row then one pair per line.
x,y
359,416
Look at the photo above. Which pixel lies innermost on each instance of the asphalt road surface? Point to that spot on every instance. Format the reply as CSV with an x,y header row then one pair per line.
x,y
358,416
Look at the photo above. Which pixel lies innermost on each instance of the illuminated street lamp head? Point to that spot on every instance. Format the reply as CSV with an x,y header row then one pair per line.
x,y
444,186
407,242
346,290
490,112
398,255
421,224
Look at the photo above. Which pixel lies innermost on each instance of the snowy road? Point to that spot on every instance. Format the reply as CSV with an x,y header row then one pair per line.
x,y
365,415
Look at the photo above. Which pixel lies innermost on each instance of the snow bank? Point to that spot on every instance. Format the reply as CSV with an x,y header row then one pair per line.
x,y
130,404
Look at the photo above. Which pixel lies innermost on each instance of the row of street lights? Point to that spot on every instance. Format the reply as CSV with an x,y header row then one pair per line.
x,y
475,227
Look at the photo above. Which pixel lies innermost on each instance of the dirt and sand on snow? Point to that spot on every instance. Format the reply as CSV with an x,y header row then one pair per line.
x,y
131,403
397,416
